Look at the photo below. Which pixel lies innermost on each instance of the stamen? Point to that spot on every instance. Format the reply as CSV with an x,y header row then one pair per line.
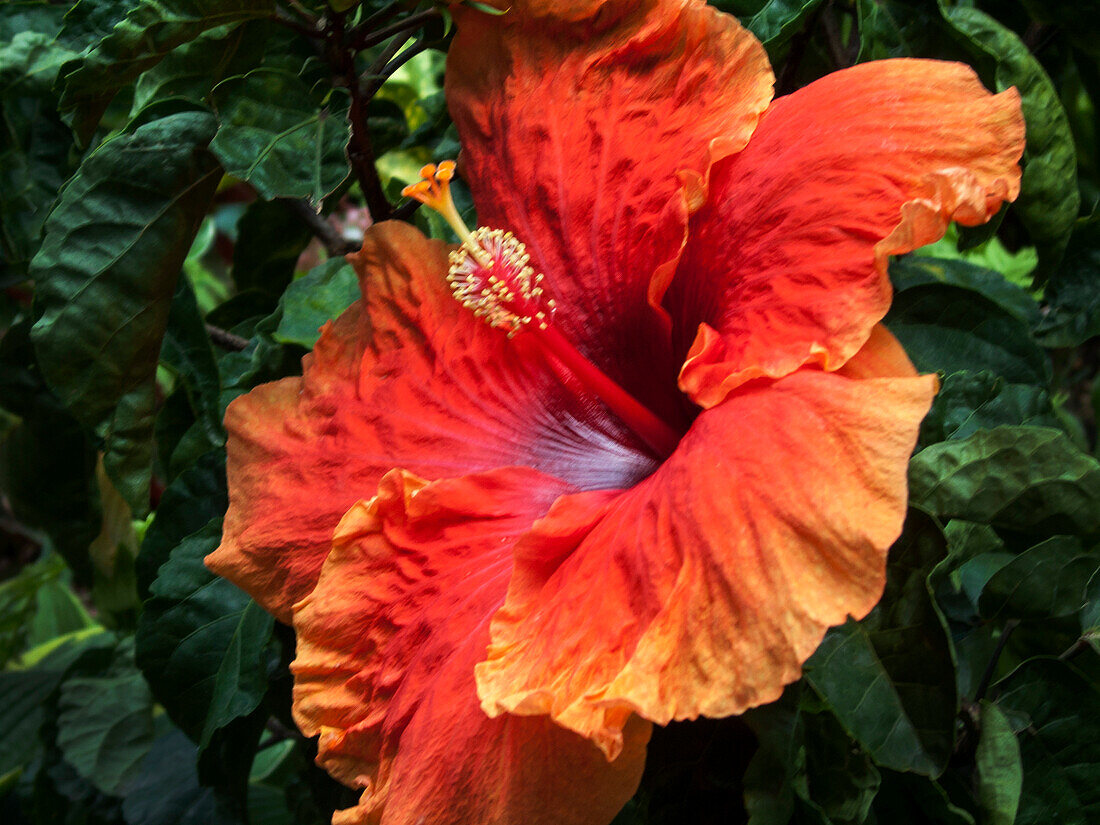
x,y
490,273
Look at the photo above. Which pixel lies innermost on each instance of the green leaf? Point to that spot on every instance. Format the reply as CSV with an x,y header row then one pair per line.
x,y
202,643
166,790
1056,713
23,695
186,350
1047,581
949,329
197,495
971,401
906,799
191,71
999,770
105,276
1073,292
270,239
890,679
779,20
1049,200
36,606
284,138
147,34
315,298
911,271
1023,478
105,723
893,28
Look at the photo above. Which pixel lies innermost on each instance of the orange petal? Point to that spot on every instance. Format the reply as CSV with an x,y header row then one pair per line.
x,y
787,261
576,120
411,379
702,590
387,644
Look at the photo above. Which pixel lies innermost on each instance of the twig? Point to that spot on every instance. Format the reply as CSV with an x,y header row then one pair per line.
x,y
335,244
1074,650
226,339
283,19
362,37
991,668
837,50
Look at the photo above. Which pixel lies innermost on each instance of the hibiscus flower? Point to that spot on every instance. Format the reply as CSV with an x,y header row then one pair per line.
x,y
635,476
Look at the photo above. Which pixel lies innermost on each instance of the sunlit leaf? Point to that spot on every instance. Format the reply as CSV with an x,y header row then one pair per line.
x,y
999,771
319,296
1023,478
282,137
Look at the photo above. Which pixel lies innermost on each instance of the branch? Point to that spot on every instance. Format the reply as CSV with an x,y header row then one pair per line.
x,y
991,668
335,244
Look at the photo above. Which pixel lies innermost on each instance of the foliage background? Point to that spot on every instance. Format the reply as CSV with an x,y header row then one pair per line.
x,y
178,182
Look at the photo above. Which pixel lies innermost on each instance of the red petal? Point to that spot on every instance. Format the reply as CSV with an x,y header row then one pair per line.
x,y
576,120
702,590
387,644
787,262
416,381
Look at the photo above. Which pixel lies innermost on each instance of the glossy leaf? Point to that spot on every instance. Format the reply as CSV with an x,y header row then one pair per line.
x,y
911,271
138,42
1073,294
202,643
888,678
778,20
319,296
999,771
1049,200
105,724
1056,712
282,137
105,276
270,239
948,329
1047,581
969,401
1023,478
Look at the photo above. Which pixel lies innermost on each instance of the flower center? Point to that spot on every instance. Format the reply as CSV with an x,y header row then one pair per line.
x,y
490,274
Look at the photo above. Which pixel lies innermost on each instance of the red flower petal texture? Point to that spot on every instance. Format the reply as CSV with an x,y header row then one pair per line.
x,y
493,577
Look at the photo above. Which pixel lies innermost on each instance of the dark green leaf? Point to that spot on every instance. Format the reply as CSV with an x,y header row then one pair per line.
x,y
1049,580
283,137
949,329
890,678
195,497
147,34
849,676
1073,291
187,352
270,239
911,271
999,771
972,401
319,296
1056,713
167,790
1049,200
105,723
906,799
202,642
105,277
897,28
191,71
779,20
23,693
1022,478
